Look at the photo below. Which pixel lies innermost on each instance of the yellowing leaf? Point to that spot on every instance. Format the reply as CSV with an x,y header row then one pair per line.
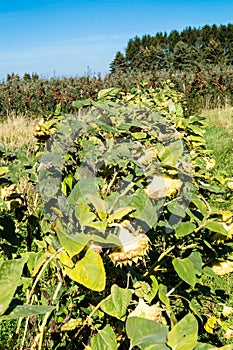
x,y
163,186
121,212
211,323
71,324
84,214
148,156
89,271
4,170
108,93
100,205
222,268
210,163
227,215
65,259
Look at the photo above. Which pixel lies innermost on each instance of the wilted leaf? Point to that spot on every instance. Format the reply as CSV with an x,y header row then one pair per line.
x,y
163,186
84,214
145,291
211,323
4,170
150,312
65,259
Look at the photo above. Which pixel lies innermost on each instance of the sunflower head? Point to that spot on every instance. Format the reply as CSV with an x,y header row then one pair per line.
x,y
131,251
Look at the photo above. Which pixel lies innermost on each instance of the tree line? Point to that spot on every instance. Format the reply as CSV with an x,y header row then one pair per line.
x,y
190,49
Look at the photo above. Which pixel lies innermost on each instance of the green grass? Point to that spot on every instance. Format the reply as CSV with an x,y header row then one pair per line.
x,y
219,137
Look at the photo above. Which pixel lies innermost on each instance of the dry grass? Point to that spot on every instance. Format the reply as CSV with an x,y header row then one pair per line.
x,y
220,118
16,132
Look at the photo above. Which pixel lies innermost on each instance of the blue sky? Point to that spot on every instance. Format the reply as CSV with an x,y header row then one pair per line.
x,y
71,38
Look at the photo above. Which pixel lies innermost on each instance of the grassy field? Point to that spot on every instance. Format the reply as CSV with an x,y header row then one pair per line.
x,y
17,133
219,136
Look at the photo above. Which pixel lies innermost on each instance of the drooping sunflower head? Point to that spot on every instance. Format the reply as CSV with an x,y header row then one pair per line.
x,y
133,247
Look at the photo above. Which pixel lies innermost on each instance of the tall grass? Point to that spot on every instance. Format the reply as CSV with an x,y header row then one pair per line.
x,y
219,136
16,132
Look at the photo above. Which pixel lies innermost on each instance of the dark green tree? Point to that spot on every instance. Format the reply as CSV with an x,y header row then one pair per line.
x,y
213,53
132,49
119,63
182,56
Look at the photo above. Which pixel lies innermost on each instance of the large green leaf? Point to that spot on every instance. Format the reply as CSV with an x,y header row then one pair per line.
x,y
162,293
144,209
116,305
89,271
147,334
110,92
183,335
100,205
10,274
86,186
196,259
27,311
104,340
169,155
185,270
177,209
184,228
84,214
216,227
73,244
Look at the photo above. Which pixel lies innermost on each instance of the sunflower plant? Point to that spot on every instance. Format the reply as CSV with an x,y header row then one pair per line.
x,y
128,238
